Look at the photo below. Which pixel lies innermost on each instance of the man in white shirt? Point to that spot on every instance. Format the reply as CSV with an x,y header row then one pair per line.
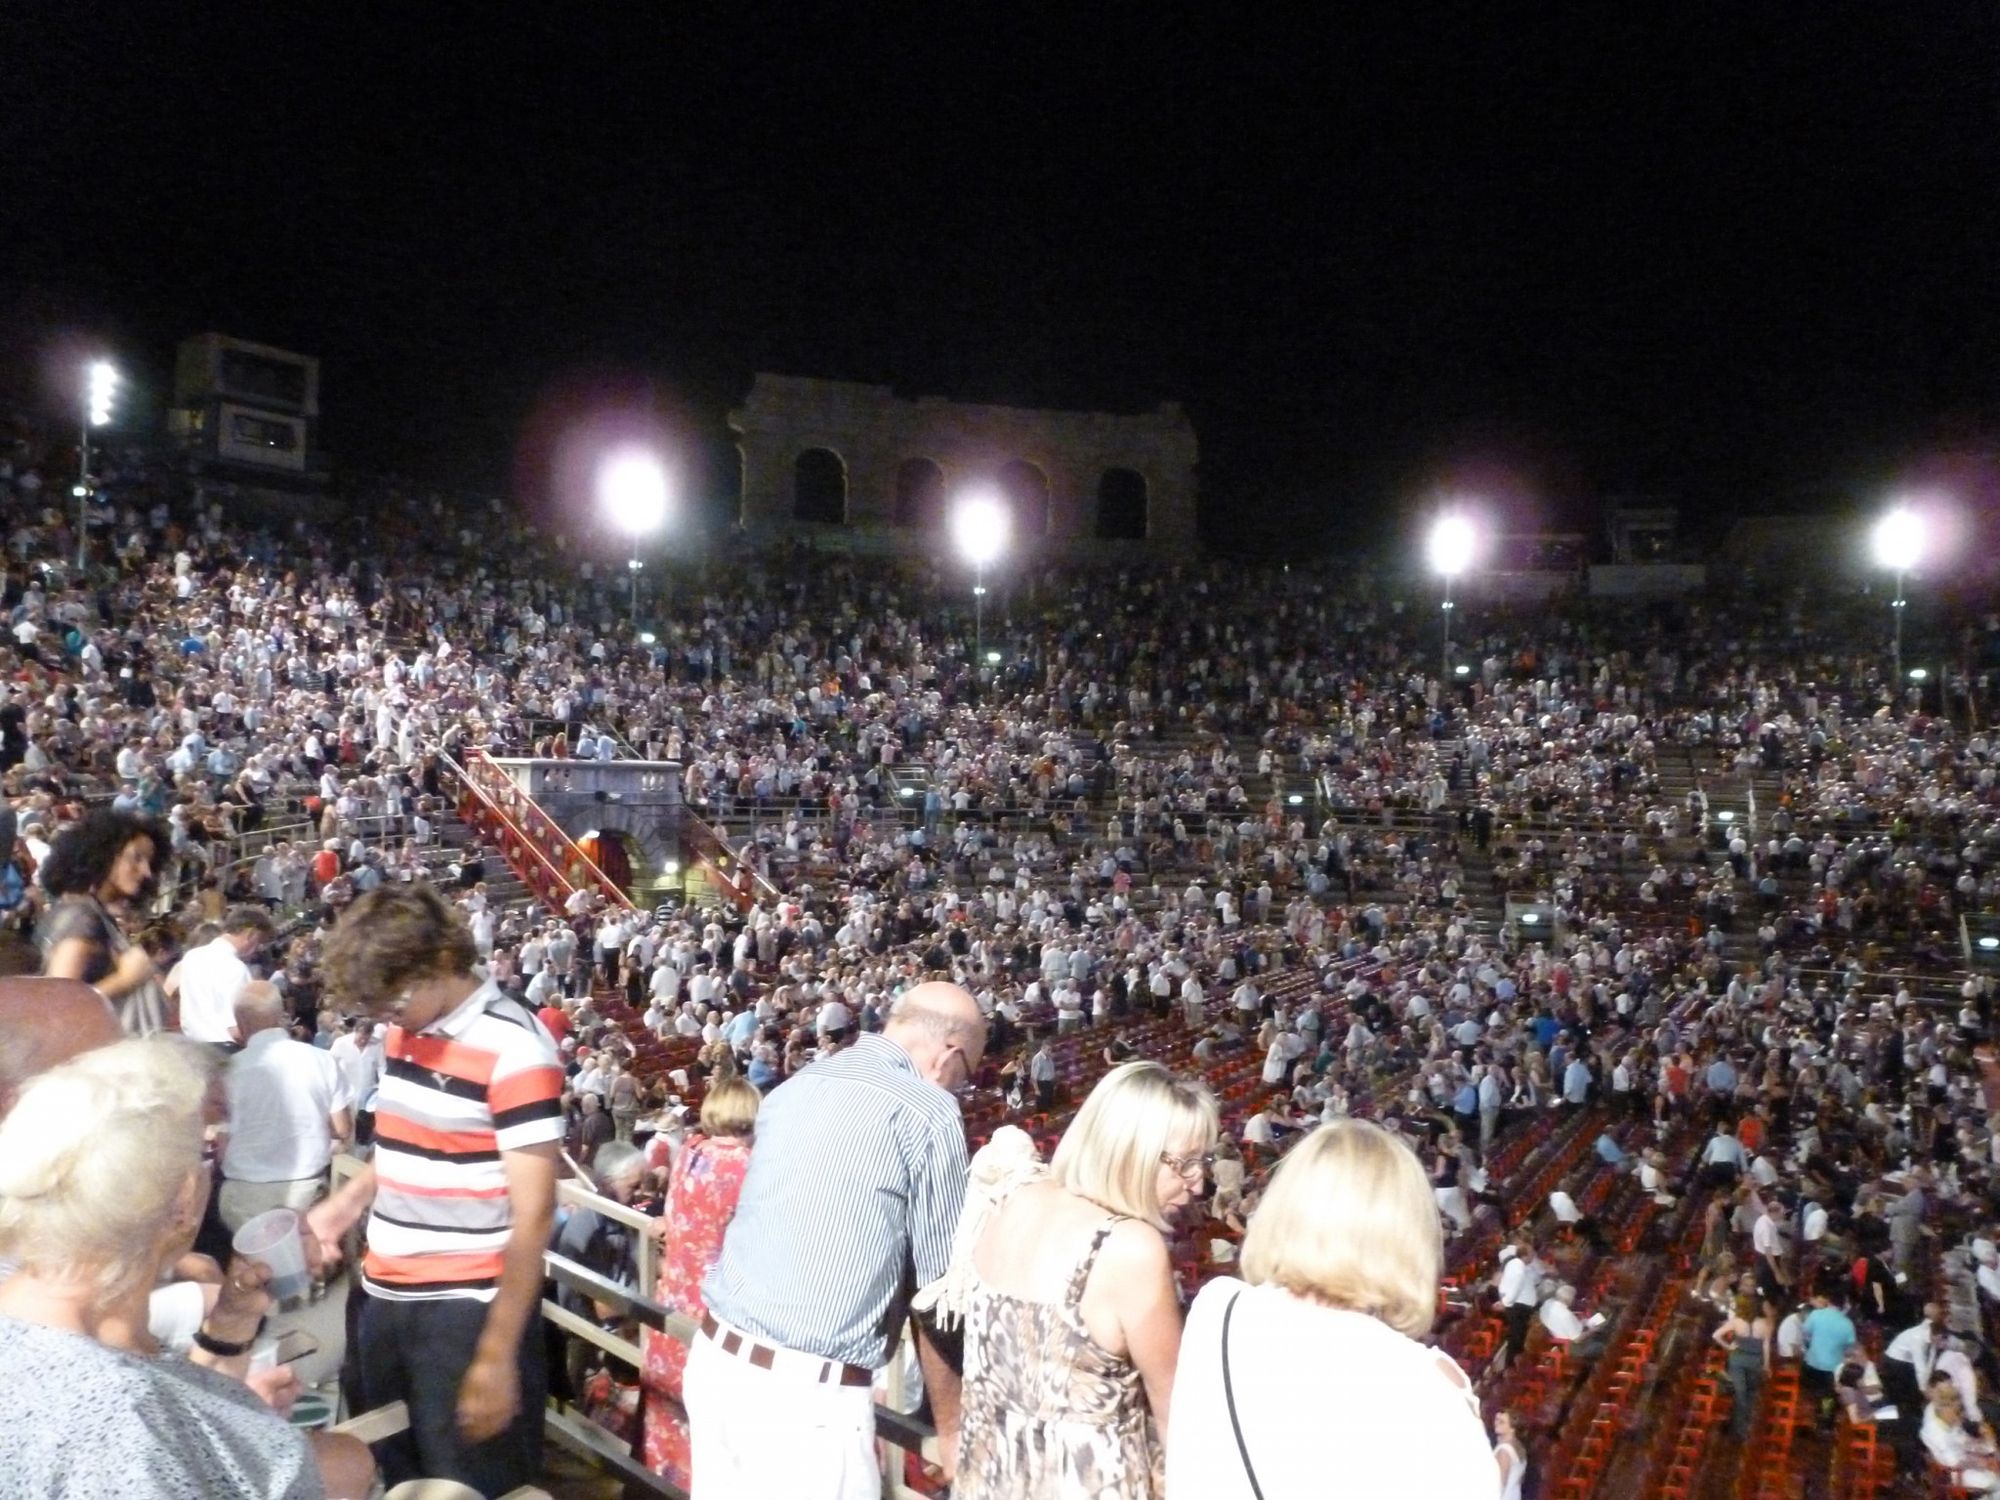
x,y
358,1050
289,1107
1908,1362
213,977
1581,1338
1520,1292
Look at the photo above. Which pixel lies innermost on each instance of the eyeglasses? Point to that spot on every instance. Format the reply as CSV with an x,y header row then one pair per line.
x,y
1188,1166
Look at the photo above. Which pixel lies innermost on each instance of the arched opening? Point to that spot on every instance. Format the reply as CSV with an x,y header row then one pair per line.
x,y
920,494
1027,490
819,488
1121,506
611,851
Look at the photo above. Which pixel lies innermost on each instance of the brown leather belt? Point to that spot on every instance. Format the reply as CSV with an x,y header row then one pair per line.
x,y
742,1346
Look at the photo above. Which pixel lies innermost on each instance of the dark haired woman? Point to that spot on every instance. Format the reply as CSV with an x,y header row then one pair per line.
x,y
98,873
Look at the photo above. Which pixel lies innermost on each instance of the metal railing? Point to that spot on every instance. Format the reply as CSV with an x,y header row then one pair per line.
x,y
545,858
896,1432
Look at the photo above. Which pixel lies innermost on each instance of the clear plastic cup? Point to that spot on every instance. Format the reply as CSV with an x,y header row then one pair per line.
x,y
264,1355
272,1239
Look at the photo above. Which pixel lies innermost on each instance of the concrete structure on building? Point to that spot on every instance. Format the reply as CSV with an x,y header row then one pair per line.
x,y
836,457
248,409
639,800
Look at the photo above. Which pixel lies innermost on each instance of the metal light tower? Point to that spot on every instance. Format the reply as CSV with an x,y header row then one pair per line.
x,y
1450,547
632,489
980,525
100,388
1898,542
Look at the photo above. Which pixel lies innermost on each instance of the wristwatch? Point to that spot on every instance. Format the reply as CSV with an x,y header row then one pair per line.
x,y
221,1348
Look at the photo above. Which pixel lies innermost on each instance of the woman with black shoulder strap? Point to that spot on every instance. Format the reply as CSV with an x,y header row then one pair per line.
x,y
1307,1377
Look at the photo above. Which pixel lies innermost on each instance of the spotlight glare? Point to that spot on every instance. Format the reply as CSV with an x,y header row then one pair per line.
x,y
632,490
1898,539
979,527
1451,544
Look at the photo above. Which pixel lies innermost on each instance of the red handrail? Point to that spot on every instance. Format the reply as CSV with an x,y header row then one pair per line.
x,y
534,820
709,846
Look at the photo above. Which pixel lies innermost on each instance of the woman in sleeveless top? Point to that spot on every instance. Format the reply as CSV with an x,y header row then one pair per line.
x,y
1072,1324
98,873
1510,1455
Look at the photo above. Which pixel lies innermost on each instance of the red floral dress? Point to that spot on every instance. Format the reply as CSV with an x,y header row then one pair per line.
x,y
701,1200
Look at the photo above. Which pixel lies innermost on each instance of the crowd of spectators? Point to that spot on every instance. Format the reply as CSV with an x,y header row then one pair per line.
x,y
1231,818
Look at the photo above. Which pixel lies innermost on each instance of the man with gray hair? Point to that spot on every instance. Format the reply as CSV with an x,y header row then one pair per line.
x,y
850,1202
289,1108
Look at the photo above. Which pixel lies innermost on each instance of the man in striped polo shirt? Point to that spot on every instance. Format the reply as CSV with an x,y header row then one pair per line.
x,y
849,1204
460,1196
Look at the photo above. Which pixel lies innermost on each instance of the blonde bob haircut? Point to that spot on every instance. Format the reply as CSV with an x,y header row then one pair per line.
x,y
1350,1219
98,1156
1138,1113
730,1107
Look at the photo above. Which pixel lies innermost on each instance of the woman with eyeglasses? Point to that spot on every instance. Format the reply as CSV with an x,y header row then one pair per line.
x,y
1072,1323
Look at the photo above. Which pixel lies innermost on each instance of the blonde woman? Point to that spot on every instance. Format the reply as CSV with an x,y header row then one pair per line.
x,y
1072,1323
1308,1373
101,1186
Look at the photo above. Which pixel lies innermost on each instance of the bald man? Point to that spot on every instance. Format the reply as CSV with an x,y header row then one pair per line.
x,y
850,1202
290,1109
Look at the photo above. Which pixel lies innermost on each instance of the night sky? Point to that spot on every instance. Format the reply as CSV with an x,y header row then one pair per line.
x,y
1741,256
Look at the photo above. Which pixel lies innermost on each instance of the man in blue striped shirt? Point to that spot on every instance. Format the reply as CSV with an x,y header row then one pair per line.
x,y
849,1205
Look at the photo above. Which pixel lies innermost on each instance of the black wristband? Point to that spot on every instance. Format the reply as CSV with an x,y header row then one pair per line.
x,y
221,1348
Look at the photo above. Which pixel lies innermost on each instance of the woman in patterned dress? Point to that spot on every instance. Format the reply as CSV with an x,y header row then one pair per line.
x,y
1072,1323
701,1200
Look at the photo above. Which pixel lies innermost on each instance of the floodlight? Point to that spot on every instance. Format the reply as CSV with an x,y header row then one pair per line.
x,y
1295,799
979,528
906,791
1463,670
1898,539
993,658
1989,942
103,382
647,638
1725,816
1919,674
1452,540
632,491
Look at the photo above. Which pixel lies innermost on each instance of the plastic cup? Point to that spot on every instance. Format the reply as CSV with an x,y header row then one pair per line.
x,y
264,1355
272,1239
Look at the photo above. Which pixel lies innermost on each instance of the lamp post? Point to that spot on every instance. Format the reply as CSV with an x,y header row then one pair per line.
x,y
632,490
979,528
102,385
1898,543
1450,549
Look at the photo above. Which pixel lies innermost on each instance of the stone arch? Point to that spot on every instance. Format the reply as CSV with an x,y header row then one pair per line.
x,y
1027,490
920,494
1121,505
819,488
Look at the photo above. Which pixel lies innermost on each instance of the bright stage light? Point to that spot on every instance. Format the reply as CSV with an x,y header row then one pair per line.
x,y
632,491
103,384
980,527
1898,539
1451,545
1919,674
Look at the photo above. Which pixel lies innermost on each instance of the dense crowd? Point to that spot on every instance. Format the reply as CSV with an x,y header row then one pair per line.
x,y
1231,819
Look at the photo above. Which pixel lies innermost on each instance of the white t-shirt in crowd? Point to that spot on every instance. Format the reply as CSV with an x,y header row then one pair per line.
x,y
1330,1401
212,980
282,1096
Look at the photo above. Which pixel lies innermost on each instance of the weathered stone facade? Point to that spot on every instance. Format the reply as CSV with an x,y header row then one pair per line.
x,y
836,455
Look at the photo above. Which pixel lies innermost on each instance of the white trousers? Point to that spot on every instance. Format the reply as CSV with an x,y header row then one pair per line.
x,y
761,1435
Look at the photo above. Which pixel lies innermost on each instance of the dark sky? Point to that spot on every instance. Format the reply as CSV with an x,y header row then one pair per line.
x,y
1740,255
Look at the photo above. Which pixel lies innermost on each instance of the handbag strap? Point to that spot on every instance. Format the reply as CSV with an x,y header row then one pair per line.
x,y
1229,1395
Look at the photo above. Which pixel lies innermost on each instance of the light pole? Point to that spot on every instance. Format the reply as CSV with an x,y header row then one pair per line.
x,y
632,490
1898,542
1450,548
979,528
102,385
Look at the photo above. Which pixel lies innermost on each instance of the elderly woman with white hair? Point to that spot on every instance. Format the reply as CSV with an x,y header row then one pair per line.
x,y
1307,1375
102,1185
